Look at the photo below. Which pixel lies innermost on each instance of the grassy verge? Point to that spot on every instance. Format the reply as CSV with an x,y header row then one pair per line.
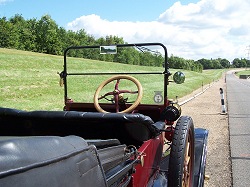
x,y
243,72
29,81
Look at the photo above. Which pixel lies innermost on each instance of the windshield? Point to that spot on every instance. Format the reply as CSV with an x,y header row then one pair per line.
x,y
82,76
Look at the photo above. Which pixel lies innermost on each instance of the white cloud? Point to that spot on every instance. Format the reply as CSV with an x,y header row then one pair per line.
x,y
207,29
4,1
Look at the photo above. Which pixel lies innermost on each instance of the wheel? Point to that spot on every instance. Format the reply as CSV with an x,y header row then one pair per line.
x,y
181,161
117,94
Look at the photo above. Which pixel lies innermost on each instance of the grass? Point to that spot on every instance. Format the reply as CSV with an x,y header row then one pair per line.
x,y
29,81
243,72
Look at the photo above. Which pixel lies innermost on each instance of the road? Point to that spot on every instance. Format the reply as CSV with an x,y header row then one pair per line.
x,y
205,110
238,99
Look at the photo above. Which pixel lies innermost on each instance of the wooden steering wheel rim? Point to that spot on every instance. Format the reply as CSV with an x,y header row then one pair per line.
x,y
129,109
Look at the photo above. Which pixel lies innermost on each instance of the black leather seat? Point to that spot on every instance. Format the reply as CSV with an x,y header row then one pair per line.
x,y
49,161
101,144
128,128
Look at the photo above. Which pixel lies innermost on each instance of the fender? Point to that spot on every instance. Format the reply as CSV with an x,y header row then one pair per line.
x,y
201,136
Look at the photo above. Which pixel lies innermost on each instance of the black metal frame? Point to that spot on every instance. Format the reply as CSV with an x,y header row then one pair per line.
x,y
166,72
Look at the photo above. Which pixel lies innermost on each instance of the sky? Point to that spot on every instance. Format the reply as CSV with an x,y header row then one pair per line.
x,y
191,29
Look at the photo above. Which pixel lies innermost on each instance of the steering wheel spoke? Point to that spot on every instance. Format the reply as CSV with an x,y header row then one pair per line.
x,y
105,95
127,91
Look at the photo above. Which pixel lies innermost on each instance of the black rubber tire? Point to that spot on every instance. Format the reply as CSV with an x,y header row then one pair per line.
x,y
183,137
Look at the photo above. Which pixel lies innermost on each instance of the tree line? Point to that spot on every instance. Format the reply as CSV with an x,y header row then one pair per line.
x,y
45,36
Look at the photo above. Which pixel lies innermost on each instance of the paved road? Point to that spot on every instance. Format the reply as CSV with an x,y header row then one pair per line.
x,y
238,98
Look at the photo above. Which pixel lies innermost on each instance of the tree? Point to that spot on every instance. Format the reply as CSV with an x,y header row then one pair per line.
x,y
243,63
175,62
207,64
47,38
225,63
240,63
236,63
8,34
248,63
25,32
216,64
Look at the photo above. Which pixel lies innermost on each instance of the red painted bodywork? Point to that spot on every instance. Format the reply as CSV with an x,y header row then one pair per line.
x,y
152,149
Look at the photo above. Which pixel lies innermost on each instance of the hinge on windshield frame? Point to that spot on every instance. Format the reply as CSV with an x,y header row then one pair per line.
x,y
62,76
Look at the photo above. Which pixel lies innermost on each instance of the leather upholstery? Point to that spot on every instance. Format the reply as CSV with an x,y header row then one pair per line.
x,y
101,144
49,161
128,128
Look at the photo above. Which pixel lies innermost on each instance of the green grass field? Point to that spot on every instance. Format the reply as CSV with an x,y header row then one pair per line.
x,y
29,81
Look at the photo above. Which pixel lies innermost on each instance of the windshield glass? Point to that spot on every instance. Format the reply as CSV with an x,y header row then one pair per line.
x,y
84,75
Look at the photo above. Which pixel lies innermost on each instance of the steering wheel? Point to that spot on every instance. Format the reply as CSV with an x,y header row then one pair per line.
x,y
118,93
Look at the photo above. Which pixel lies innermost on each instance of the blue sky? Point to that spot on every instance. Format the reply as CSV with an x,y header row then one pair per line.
x,y
64,11
191,29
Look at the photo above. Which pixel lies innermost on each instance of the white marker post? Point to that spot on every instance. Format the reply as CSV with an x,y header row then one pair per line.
x,y
223,106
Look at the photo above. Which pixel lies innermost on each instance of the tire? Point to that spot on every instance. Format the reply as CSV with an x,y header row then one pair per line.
x,y
182,151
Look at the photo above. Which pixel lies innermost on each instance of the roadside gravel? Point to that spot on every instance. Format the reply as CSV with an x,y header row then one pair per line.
x,y
206,110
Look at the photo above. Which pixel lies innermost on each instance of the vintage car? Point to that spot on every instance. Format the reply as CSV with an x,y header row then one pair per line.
x,y
115,138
